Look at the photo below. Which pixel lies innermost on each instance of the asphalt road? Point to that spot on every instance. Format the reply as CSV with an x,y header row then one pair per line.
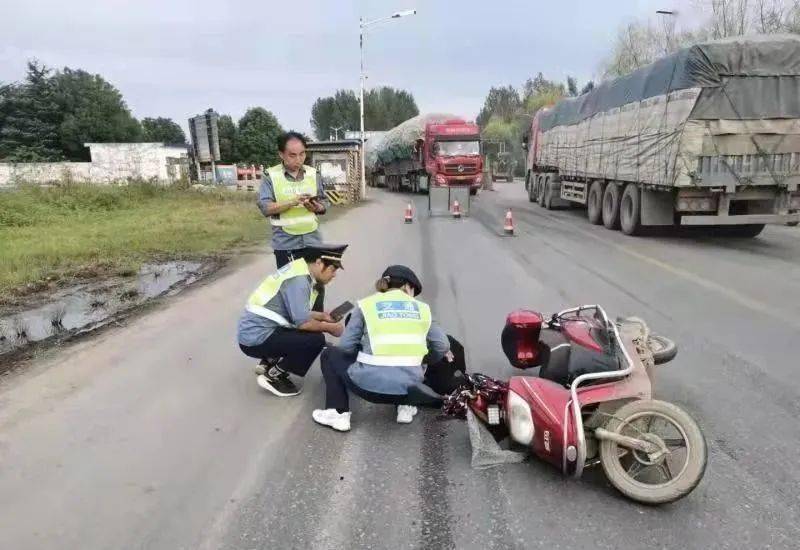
x,y
155,435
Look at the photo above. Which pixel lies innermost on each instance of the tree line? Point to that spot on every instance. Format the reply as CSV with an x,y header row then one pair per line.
x,y
384,108
639,43
51,114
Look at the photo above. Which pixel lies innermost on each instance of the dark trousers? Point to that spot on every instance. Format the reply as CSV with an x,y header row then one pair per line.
x,y
441,378
283,257
335,363
298,348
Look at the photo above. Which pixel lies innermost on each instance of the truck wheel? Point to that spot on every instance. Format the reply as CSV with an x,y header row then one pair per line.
x,y
531,189
611,201
473,191
527,181
540,191
548,194
630,211
594,204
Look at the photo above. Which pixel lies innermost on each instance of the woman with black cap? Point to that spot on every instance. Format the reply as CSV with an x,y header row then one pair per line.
x,y
380,354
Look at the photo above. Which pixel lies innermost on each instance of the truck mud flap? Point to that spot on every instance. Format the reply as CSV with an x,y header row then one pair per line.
x,y
442,199
486,453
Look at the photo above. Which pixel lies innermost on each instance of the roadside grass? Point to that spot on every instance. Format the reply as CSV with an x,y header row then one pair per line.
x,y
51,234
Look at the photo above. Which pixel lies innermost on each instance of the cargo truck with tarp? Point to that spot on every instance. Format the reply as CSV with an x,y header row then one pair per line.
x,y
707,136
437,150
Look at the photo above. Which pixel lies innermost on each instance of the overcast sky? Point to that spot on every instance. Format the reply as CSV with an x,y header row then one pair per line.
x,y
175,58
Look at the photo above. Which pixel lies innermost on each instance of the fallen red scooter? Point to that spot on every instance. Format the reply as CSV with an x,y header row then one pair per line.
x,y
591,402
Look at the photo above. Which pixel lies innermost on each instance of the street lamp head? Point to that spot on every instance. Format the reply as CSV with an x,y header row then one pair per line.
x,y
666,12
403,13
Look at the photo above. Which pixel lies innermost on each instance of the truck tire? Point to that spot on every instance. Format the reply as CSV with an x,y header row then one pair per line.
x,y
594,203
540,190
528,181
611,202
530,186
547,193
630,210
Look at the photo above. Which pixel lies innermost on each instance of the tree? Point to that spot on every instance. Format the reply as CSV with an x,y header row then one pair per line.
x,y
257,138
30,117
541,86
339,111
639,43
572,86
227,132
500,102
588,87
162,130
773,16
384,108
93,111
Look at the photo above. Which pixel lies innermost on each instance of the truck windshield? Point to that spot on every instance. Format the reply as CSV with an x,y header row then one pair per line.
x,y
458,148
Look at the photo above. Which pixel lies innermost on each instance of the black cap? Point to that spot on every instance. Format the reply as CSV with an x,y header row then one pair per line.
x,y
404,273
331,253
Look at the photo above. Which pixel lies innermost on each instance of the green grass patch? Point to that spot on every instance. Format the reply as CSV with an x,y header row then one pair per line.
x,y
49,234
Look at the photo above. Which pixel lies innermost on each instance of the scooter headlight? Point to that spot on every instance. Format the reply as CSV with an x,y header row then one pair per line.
x,y
520,419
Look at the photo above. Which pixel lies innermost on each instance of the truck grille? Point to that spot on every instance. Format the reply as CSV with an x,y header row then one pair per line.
x,y
467,168
743,165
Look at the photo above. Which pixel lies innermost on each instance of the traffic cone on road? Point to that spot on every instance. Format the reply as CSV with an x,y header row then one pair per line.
x,y
508,226
409,218
456,210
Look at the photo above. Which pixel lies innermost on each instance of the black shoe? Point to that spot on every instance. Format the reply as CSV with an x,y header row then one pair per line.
x,y
265,364
277,382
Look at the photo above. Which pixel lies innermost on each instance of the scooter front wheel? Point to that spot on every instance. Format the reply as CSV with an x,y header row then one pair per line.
x,y
672,470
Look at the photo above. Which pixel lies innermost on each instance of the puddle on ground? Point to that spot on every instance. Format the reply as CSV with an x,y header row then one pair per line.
x,y
88,306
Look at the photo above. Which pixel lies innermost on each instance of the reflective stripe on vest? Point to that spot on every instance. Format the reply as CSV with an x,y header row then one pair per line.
x,y
269,288
397,326
297,220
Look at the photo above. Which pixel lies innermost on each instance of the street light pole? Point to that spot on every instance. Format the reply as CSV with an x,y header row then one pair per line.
x,y
669,28
362,25
363,154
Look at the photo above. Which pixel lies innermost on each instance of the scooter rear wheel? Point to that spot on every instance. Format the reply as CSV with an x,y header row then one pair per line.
x,y
652,479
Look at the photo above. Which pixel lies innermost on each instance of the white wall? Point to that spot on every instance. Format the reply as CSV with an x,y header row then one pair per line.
x,y
111,162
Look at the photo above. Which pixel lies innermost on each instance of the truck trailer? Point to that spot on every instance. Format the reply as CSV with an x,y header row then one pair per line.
x,y
435,149
708,136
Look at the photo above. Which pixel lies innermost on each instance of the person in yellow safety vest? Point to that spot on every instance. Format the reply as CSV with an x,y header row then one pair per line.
x,y
279,325
380,355
292,197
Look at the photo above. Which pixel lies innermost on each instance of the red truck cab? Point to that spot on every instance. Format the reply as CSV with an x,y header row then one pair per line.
x,y
452,153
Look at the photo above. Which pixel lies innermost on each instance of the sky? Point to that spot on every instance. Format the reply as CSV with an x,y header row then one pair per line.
x,y
176,58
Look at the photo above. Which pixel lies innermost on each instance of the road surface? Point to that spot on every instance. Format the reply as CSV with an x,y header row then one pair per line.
x,y
155,435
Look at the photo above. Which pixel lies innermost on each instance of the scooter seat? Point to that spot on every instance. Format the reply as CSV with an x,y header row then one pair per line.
x,y
563,362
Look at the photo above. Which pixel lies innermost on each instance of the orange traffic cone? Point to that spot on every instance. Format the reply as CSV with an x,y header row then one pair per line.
x,y
456,210
508,226
409,214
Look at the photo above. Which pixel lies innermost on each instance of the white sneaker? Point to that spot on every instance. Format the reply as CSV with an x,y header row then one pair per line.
x,y
329,417
405,414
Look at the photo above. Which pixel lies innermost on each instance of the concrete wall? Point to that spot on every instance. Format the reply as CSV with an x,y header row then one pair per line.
x,y
111,162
